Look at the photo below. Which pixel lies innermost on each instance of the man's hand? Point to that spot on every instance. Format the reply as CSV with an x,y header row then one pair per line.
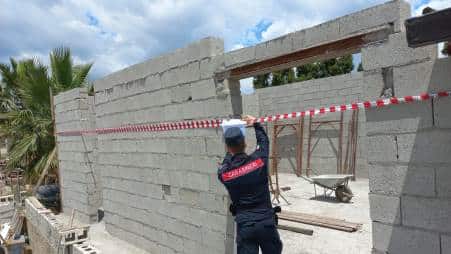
x,y
250,120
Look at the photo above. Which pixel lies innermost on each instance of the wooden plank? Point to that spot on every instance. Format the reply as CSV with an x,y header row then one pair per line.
x,y
429,29
326,220
296,229
314,220
324,51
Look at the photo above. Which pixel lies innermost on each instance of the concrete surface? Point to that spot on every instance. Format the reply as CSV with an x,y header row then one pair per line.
x,y
160,190
106,243
309,94
326,241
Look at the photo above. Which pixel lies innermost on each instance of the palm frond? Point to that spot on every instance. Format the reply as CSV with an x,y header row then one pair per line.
x,y
34,86
80,74
61,67
22,152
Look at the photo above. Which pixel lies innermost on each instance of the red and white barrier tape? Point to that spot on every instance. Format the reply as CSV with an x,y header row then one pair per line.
x,y
216,123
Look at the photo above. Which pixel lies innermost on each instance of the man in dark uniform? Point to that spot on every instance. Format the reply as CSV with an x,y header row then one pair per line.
x,y
246,179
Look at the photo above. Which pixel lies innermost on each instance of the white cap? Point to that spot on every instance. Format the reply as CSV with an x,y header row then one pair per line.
x,y
234,123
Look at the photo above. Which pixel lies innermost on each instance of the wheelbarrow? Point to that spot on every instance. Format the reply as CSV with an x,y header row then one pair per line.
x,y
333,183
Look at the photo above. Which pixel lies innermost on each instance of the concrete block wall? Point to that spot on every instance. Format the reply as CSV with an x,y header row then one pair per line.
x,y
309,94
408,150
81,187
322,92
391,14
6,211
160,190
49,233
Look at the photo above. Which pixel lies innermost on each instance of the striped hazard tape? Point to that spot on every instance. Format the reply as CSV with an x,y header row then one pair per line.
x,y
216,123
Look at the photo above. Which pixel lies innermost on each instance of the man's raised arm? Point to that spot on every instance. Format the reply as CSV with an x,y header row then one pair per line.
x,y
260,134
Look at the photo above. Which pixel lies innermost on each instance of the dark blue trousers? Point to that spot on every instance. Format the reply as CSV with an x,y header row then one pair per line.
x,y
252,235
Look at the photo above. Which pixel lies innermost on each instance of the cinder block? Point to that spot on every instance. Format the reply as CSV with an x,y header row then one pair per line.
x,y
400,240
425,147
441,112
401,179
190,180
73,94
413,79
392,12
275,47
214,240
203,89
420,181
214,203
217,108
426,213
402,118
77,104
204,48
211,46
322,33
382,148
213,221
387,179
153,82
443,179
215,146
181,93
373,85
395,52
209,66
188,73
186,146
239,57
446,244
385,209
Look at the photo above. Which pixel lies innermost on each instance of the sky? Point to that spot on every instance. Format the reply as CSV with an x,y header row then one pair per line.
x,y
116,34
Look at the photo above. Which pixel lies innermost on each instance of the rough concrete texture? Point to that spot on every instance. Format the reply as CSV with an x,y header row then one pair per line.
x,y
50,233
6,211
103,241
160,190
393,12
408,151
302,199
305,95
81,188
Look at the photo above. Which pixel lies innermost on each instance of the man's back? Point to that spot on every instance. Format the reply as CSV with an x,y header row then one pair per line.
x,y
246,180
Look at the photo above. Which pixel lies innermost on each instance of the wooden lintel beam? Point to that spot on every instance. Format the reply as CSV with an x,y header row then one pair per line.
x,y
429,29
324,51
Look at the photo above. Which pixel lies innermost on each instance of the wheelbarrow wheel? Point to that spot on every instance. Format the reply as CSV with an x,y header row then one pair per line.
x,y
343,193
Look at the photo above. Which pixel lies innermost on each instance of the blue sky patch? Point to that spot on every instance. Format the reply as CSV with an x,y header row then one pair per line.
x,y
92,20
253,35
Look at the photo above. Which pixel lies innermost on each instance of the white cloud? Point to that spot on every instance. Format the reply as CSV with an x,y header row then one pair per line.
x,y
434,4
115,34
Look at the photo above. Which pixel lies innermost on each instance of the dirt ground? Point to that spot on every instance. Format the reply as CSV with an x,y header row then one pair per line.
x,y
323,240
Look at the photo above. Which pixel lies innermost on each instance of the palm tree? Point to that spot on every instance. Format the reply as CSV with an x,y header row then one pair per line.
x,y
30,123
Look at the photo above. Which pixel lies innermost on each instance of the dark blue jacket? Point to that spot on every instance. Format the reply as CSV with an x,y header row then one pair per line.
x,y
246,179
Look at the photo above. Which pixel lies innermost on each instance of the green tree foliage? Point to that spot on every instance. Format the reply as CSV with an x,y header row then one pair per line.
x,y
327,68
27,83
261,81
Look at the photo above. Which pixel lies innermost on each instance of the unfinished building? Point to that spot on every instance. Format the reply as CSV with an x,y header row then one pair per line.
x,y
159,189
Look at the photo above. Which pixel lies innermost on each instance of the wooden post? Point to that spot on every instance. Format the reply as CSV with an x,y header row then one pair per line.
x,y
273,162
356,141
309,146
340,146
300,145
